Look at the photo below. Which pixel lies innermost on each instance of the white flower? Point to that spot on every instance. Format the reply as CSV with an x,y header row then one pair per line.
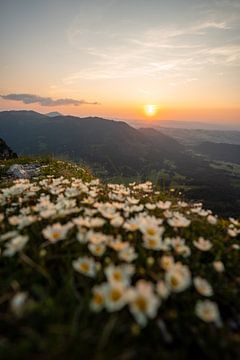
x,y
178,277
164,205
233,232
236,246
204,213
85,265
8,235
150,206
207,311
107,210
179,246
136,208
22,220
115,297
202,286
71,192
128,254
18,302
234,221
96,237
118,244
219,266
152,243
119,275
117,221
82,235
132,201
56,232
15,245
202,244
97,249
152,233
143,302
183,204
131,224
166,262
162,289
212,219
178,220
98,298
89,222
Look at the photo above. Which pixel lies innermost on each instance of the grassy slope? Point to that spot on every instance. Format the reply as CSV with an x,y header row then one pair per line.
x,y
50,166
55,321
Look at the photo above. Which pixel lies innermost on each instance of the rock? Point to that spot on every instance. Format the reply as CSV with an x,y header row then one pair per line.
x,y
18,172
25,171
5,151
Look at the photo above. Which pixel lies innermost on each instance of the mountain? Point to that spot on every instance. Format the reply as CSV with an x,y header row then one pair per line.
x,y
53,114
220,152
112,144
5,151
189,125
119,152
197,136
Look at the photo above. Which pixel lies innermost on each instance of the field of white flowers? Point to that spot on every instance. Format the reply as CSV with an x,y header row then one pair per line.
x,y
107,271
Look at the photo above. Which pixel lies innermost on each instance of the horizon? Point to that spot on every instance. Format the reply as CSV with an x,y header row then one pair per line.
x,y
147,123
130,60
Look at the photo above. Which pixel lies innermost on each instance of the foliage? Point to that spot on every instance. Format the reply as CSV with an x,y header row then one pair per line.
x,y
49,166
102,271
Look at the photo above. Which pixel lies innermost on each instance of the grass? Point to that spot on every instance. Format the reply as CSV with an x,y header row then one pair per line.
x,y
232,168
51,166
47,303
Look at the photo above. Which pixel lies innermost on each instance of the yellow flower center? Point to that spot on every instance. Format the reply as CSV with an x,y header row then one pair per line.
x,y
85,267
151,231
133,227
152,243
117,276
141,303
115,295
56,234
174,281
98,299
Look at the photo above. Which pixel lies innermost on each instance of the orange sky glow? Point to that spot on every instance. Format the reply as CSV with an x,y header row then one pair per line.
x,y
116,58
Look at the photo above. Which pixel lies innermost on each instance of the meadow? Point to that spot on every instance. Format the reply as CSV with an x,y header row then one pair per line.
x,y
98,270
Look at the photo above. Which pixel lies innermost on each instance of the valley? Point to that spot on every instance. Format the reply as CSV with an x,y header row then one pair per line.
x,y
117,152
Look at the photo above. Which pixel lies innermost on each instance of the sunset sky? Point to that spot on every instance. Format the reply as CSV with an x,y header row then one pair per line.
x,y
112,58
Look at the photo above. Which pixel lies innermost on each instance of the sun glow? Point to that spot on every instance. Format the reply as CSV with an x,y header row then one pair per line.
x,y
150,110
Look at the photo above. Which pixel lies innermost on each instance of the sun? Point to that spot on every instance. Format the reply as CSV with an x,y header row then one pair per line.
x,y
150,110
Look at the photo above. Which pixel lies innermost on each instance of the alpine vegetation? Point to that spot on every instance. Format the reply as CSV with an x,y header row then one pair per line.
x,y
126,268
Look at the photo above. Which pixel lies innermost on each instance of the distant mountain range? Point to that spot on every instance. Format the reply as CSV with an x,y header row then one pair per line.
x,y
53,114
190,125
113,144
117,151
198,136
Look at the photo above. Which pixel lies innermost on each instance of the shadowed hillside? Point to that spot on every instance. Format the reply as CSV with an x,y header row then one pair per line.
x,y
118,152
223,152
115,145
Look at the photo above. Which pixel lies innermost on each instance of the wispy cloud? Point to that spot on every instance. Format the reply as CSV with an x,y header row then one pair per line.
x,y
175,50
197,40
45,101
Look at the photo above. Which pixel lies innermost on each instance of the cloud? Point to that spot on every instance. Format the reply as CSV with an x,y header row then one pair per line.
x,y
131,50
45,101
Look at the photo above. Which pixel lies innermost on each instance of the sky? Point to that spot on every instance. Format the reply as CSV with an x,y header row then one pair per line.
x,y
114,58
